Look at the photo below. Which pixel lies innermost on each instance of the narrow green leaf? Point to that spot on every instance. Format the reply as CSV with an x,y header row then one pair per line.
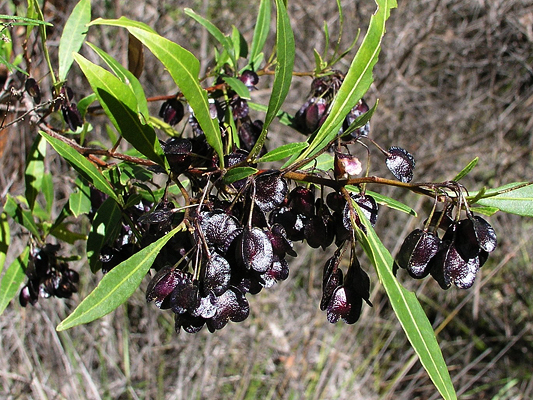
x,y
123,22
284,151
120,105
13,278
33,174
21,216
80,201
262,27
184,69
282,80
64,234
357,80
84,103
73,36
116,286
126,77
466,170
5,239
513,198
105,228
48,192
15,20
408,311
238,86
215,32
84,167
238,173
239,43
283,117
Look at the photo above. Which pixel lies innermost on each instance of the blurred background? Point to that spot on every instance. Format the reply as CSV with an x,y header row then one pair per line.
x,y
454,81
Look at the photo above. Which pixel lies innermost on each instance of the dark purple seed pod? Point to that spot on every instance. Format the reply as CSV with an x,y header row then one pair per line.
x,y
332,277
281,244
189,323
401,164
459,271
445,222
72,116
231,306
292,223
219,229
32,87
206,307
249,132
249,78
239,108
344,304
335,201
465,239
309,116
270,190
278,271
172,111
178,152
486,236
368,206
316,232
72,276
358,282
417,250
163,283
360,108
255,250
185,296
302,201
217,275
26,296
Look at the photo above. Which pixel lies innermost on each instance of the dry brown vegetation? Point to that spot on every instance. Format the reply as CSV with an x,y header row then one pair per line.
x,y
455,81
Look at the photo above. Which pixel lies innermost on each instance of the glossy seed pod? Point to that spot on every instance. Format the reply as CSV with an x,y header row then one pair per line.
x,y
270,190
417,250
401,164
255,250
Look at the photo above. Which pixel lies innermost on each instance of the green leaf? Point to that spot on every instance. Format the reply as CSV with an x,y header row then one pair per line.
x,y
184,69
84,103
466,170
126,77
357,81
48,192
73,36
84,167
216,33
33,174
283,117
116,286
262,27
13,278
238,86
105,228
15,20
408,310
239,43
513,198
5,239
80,201
238,173
21,216
64,234
120,105
282,80
284,151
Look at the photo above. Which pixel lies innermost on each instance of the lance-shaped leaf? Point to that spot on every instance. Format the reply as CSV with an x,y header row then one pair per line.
x,y
127,77
407,309
5,238
262,27
357,80
466,170
21,216
283,151
73,36
121,105
12,279
33,174
84,167
184,68
116,286
283,77
514,198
